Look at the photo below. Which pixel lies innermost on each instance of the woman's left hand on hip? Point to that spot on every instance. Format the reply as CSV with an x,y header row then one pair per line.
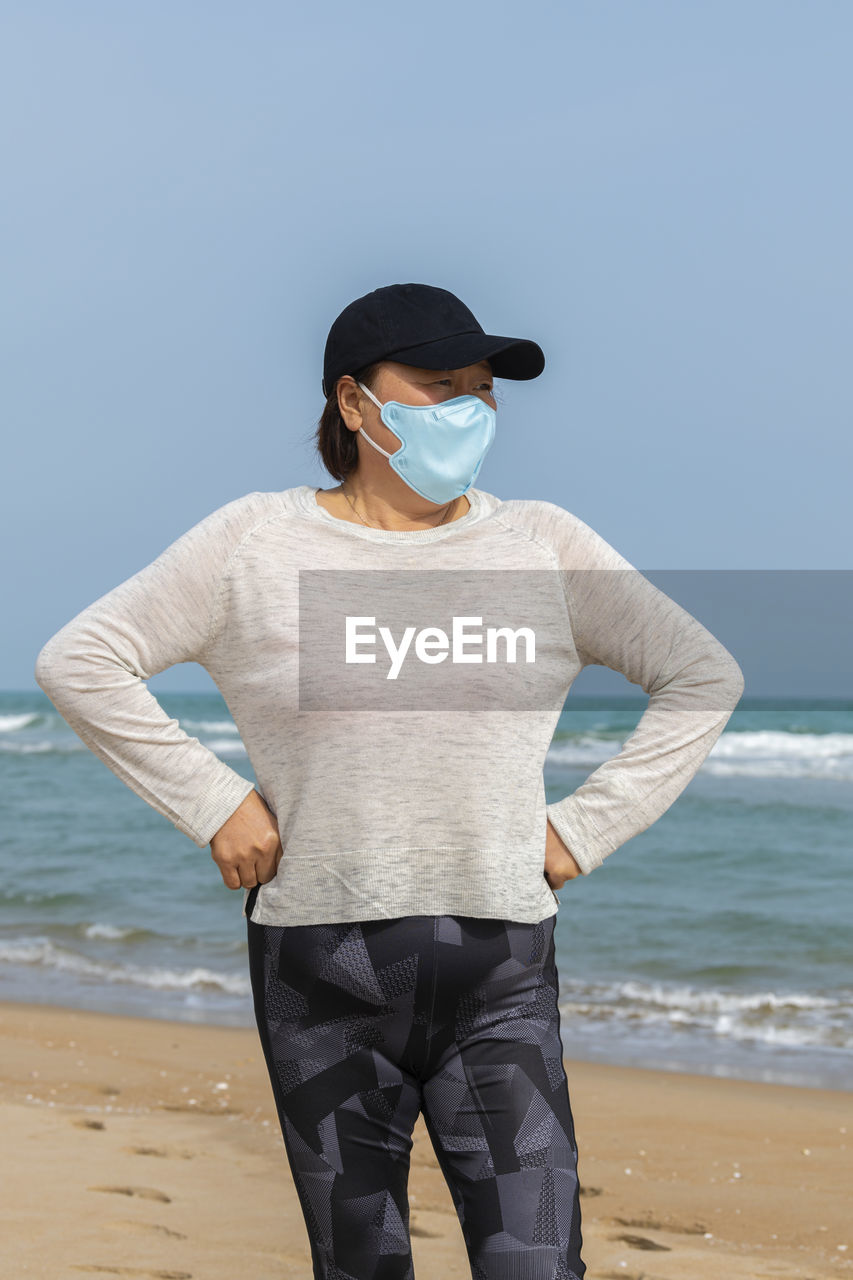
x,y
560,866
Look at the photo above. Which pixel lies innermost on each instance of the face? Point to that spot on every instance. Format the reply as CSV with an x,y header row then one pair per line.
x,y
409,384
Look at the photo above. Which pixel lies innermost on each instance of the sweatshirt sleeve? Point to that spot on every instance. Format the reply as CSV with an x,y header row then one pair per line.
x,y
94,669
620,620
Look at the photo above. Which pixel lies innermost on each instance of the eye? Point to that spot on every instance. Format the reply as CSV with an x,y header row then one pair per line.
x,y
448,382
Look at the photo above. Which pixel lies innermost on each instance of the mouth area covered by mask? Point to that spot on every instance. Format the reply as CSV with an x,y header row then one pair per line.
x,y
442,445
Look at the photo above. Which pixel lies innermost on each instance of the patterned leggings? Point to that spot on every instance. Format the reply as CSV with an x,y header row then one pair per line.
x,y
363,1026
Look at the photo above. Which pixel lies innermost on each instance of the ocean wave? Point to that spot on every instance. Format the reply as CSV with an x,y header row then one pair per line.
x,y
25,892
586,750
72,745
11,723
49,747
43,952
774,754
109,932
133,936
793,1019
743,753
210,726
226,747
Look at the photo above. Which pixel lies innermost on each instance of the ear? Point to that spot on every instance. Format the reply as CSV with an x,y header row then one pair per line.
x,y
350,399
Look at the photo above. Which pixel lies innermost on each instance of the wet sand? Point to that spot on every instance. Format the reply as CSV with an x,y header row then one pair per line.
x,y
135,1147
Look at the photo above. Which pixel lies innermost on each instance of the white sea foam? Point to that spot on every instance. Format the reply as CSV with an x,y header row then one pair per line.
x,y
43,952
70,744
226,747
110,932
11,723
748,753
209,726
584,751
793,1019
773,754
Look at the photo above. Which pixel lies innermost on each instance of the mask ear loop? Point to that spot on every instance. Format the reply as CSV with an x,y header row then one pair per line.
x,y
379,406
368,392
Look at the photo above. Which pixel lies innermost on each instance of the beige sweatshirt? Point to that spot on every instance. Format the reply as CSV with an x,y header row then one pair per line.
x,y
396,692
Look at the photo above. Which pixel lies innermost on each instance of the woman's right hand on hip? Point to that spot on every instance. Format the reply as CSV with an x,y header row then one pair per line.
x,y
247,848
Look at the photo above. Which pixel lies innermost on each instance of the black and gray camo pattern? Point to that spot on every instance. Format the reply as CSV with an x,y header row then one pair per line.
x,y
366,1024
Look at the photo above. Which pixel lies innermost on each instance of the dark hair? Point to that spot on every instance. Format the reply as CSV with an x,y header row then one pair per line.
x,y
336,444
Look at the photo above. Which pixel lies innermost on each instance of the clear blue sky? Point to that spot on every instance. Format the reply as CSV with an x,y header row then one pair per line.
x,y
659,193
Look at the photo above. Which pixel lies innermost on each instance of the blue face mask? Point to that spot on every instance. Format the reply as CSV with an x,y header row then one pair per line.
x,y
443,445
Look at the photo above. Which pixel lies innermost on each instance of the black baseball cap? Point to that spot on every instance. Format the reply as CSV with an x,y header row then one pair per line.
x,y
421,325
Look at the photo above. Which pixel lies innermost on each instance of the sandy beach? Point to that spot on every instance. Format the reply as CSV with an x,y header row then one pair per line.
x,y
137,1147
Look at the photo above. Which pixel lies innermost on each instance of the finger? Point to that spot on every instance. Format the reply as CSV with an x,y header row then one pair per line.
x,y
249,876
231,878
267,866
236,875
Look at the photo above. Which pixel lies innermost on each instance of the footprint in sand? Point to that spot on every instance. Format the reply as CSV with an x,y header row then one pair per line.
x,y
84,1123
145,1193
132,1271
159,1151
643,1242
648,1223
415,1229
145,1228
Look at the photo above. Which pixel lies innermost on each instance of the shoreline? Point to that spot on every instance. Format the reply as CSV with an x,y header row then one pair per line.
x,y
160,1138
804,1069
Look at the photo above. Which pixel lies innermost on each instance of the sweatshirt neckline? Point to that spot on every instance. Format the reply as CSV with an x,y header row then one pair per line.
x,y
307,500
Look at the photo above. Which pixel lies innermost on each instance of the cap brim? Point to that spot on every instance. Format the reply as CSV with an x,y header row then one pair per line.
x,y
515,358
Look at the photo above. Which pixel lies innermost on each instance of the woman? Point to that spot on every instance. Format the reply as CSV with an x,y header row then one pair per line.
x,y
398,856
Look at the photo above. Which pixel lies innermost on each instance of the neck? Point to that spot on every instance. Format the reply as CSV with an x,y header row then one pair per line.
x,y
378,511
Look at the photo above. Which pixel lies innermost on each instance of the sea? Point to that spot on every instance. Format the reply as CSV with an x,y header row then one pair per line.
x,y
717,942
